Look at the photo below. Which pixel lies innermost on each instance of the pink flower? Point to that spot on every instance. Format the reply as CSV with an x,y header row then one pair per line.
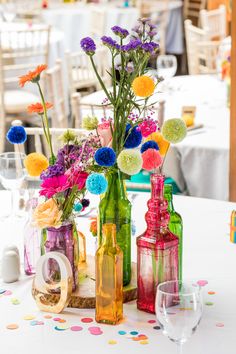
x,y
104,132
53,185
148,127
76,177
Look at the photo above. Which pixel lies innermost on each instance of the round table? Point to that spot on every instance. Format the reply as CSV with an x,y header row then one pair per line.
x,y
208,255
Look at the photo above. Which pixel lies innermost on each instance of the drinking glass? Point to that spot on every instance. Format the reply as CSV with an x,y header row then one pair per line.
x,y
166,66
9,11
12,173
179,310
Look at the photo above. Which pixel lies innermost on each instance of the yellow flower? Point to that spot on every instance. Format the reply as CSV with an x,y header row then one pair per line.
x,y
35,164
47,214
143,86
161,142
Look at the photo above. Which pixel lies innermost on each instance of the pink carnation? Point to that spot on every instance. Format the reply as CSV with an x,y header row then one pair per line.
x,y
76,177
104,132
148,127
53,185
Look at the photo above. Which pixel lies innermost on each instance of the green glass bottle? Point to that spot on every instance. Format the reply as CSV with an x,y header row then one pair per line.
x,y
175,224
115,208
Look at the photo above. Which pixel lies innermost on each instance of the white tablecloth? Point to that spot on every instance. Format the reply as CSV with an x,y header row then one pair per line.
x,y
208,254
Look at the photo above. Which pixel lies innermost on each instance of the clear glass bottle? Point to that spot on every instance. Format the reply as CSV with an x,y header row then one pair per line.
x,y
109,278
157,248
175,224
115,208
82,246
32,240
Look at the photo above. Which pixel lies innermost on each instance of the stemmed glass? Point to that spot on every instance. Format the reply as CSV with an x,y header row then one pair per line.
x,y
9,11
166,66
179,310
12,173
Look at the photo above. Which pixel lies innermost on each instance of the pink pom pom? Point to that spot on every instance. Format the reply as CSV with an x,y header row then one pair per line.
x,y
151,159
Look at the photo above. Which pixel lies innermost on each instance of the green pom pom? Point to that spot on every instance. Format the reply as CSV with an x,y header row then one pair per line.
x,y
174,130
89,123
130,161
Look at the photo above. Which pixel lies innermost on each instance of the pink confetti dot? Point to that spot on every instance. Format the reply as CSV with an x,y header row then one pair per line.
x,y
87,320
76,328
202,282
151,321
220,324
57,319
96,333
7,293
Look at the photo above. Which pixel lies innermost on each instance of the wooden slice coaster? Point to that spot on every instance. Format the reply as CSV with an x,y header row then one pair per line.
x,y
84,296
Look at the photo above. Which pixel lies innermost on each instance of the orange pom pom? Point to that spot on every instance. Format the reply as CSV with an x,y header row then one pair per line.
x,y
143,86
151,159
161,142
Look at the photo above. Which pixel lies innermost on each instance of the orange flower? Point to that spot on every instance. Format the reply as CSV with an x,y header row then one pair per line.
x,y
143,86
93,226
32,76
38,107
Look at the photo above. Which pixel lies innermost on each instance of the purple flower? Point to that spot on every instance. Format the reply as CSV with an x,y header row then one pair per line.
x,y
147,47
121,32
52,171
133,44
152,33
144,20
152,26
137,29
88,45
129,68
154,45
109,42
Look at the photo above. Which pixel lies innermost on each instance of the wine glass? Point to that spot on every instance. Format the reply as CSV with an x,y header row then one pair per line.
x,y
12,173
179,310
166,66
9,11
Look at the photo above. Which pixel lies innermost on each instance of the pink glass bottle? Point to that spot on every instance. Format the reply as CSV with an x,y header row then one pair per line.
x,y
157,248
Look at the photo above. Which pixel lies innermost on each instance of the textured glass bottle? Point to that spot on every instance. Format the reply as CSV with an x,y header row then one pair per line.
x,y
109,274
115,208
175,224
157,248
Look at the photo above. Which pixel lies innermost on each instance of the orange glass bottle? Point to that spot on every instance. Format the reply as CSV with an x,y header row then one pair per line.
x,y
109,278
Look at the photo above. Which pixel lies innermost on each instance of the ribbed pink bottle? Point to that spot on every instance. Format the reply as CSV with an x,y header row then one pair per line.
x,y
157,248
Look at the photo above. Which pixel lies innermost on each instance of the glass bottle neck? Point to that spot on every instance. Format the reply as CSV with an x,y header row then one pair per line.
x,y
168,195
109,235
157,186
116,188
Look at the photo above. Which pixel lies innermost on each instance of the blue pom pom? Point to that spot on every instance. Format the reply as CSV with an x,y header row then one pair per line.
x,y
105,156
96,183
16,135
134,137
78,207
151,144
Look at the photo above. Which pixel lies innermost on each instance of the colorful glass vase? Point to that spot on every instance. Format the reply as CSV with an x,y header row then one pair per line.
x,y
32,240
115,208
63,239
157,248
109,278
175,224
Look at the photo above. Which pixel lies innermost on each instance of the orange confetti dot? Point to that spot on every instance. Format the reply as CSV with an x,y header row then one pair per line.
x,y
211,292
47,317
12,326
136,339
62,321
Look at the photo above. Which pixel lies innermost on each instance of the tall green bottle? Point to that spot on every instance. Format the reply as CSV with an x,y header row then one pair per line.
x,y
175,224
115,208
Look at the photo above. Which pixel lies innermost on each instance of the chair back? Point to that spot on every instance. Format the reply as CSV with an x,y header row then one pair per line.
x,y
207,56
97,21
56,96
192,10
193,36
214,22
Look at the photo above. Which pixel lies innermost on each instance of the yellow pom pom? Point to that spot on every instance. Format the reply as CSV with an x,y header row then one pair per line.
x,y
35,164
161,142
143,86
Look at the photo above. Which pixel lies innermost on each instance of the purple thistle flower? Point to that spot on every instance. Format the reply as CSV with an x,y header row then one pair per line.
x,y
121,32
133,44
52,171
88,45
109,42
147,47
154,45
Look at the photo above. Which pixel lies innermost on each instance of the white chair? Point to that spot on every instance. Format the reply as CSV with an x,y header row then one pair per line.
x,y
97,21
193,36
192,10
207,54
37,135
56,95
214,22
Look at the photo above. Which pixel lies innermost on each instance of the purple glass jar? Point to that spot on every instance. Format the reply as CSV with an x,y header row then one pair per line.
x,y
63,239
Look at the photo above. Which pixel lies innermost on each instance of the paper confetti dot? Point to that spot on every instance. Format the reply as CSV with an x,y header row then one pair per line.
x,y
15,301
136,339
208,303
211,292
202,282
157,327
143,342
48,317
36,323
76,328
151,321
220,324
2,291
122,333
7,293
86,320
29,317
57,319
96,331
112,342
134,333
12,326
61,328
142,337
62,320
